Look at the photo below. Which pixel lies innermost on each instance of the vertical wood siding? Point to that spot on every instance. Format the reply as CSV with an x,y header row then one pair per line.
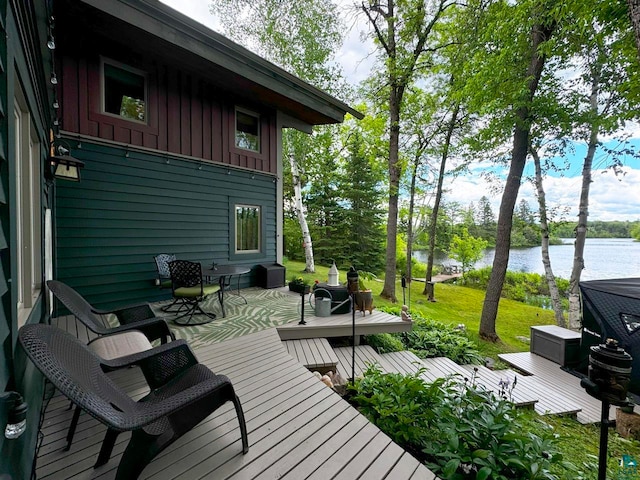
x,y
186,114
128,209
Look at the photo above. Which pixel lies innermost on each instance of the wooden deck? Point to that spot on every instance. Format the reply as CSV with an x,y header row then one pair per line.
x,y
552,378
340,325
313,353
298,427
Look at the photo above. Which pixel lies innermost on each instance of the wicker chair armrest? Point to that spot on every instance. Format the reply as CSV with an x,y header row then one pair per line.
x,y
153,328
128,314
150,412
166,362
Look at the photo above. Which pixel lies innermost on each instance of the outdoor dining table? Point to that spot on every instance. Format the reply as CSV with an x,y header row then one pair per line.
x,y
225,274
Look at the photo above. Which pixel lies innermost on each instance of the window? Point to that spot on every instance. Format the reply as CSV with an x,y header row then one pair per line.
x,y
28,210
248,228
247,130
124,91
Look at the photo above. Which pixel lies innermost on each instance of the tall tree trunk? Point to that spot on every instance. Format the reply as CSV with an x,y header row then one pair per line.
x,y
539,34
412,201
583,211
634,14
428,289
544,228
389,289
302,220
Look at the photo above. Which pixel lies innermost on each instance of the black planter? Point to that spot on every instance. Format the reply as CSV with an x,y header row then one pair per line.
x,y
296,287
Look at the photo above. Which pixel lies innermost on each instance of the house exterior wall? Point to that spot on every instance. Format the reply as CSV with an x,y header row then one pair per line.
x,y
132,205
187,115
23,72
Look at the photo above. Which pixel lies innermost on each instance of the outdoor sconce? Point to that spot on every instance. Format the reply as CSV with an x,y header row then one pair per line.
x,y
64,166
17,414
332,280
608,379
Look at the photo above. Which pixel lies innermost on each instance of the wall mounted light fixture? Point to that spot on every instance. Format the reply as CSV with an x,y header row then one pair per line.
x,y
17,414
63,165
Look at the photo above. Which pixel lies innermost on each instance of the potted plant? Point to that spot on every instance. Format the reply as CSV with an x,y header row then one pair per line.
x,y
299,285
364,295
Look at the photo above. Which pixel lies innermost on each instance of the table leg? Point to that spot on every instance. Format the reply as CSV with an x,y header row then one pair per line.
x,y
221,282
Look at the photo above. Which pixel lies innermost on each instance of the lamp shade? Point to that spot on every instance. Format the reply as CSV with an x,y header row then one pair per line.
x,y
66,167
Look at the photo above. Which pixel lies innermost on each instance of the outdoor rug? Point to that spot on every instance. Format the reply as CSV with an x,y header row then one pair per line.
x,y
264,309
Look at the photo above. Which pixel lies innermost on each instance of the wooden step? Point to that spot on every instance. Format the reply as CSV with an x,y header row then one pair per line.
x,y
313,353
365,355
549,402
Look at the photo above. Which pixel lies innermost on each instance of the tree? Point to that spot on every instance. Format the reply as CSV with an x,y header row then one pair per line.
x,y
466,249
402,31
526,57
634,15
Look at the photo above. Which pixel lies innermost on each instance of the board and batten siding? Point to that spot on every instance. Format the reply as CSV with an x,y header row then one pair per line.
x,y
187,115
132,205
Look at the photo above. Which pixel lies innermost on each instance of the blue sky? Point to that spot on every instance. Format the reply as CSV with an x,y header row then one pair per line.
x,y
611,197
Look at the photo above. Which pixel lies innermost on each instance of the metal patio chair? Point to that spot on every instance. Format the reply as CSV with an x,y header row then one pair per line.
x,y
183,393
188,288
137,317
164,278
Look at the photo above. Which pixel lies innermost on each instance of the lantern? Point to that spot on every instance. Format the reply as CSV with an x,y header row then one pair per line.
x,y
332,281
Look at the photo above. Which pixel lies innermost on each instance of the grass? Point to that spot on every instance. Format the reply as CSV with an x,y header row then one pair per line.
x,y
454,305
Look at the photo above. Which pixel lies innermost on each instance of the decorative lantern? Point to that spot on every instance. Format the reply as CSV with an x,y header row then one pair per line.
x,y
610,371
333,276
352,280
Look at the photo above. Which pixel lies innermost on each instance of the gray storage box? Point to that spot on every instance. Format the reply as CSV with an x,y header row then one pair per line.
x,y
270,276
560,345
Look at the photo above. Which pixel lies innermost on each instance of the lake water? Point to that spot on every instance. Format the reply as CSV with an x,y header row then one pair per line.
x,y
604,258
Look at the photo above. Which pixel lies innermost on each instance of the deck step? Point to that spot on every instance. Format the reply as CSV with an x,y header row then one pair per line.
x,y
549,402
552,377
365,355
313,353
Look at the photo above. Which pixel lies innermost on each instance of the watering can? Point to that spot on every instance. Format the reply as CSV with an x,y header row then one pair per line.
x,y
322,305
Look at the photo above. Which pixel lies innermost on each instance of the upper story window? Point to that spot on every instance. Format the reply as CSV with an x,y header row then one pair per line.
x,y
124,91
247,130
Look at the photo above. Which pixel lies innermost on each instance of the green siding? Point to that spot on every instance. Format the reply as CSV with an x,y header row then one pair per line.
x,y
132,206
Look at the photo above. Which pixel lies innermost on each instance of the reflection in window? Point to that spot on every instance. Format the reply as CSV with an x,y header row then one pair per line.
x,y
247,131
631,321
247,228
124,93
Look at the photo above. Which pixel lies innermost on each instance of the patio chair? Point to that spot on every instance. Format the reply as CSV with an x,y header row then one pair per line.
x,y
137,317
164,277
183,393
189,289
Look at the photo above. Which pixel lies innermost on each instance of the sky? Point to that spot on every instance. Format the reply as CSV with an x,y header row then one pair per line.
x,y
611,197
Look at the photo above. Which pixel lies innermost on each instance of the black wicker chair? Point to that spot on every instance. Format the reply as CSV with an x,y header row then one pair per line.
x,y
164,277
183,393
138,317
188,287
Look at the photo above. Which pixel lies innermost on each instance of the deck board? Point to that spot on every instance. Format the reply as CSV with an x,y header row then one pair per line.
x,y
312,353
296,427
552,377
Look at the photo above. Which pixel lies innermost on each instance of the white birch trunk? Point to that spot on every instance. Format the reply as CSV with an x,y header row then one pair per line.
x,y
583,214
546,260
306,236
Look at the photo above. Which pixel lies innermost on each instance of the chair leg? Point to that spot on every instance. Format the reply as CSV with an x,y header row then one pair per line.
x,y
168,308
107,447
194,309
142,448
72,428
243,425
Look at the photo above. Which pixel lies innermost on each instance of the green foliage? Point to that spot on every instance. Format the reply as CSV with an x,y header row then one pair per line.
x,y
635,231
402,406
429,338
466,249
385,342
459,430
600,229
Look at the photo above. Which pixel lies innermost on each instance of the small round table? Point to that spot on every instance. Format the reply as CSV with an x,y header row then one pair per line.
x,y
225,273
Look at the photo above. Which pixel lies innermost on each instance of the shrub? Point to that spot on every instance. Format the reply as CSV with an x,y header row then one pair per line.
x,y
434,339
385,342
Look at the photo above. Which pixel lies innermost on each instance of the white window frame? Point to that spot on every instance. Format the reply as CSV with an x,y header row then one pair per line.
x,y
123,66
236,232
28,204
235,134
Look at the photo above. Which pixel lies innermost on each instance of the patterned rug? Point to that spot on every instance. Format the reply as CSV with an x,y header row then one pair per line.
x,y
264,309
